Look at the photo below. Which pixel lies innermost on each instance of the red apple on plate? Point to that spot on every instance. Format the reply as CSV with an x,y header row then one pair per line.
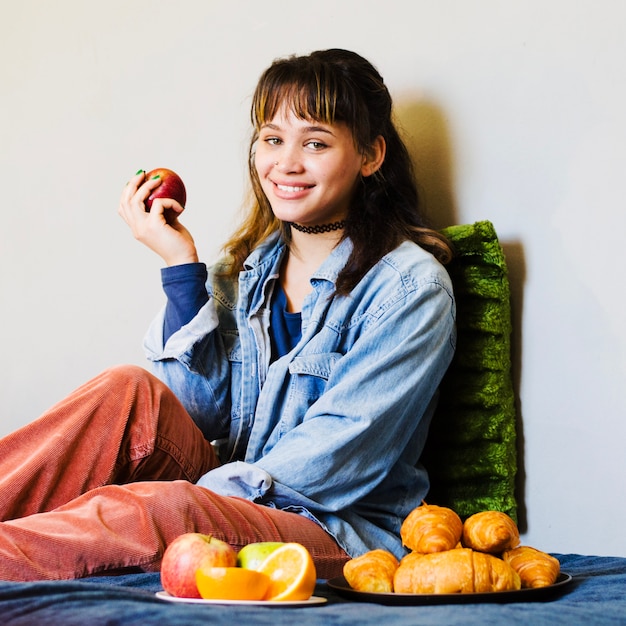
x,y
188,553
171,186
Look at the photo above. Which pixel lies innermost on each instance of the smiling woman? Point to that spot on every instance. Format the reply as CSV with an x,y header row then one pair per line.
x,y
325,329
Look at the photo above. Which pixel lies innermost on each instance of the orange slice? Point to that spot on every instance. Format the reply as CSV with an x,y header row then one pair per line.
x,y
291,572
231,583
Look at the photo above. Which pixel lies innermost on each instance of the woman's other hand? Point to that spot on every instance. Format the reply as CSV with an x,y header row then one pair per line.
x,y
170,240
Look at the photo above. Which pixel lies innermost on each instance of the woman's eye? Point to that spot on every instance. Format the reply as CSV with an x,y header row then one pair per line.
x,y
317,145
273,141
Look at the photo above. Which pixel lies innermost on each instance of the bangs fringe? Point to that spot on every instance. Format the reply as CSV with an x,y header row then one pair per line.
x,y
310,96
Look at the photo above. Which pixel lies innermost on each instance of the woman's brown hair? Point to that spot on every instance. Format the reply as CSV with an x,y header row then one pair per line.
x,y
332,86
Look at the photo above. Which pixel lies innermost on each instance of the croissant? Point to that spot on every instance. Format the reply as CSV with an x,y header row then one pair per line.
x,y
461,570
535,568
490,531
431,528
372,571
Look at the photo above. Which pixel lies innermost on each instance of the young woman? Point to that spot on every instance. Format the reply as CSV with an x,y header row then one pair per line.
x,y
295,380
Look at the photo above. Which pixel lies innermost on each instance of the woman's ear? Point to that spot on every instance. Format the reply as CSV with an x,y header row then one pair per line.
x,y
374,157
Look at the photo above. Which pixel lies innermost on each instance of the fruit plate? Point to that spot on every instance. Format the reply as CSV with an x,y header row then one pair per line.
x,y
312,601
341,586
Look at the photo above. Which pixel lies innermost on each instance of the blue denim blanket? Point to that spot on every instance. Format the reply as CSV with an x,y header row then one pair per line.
x,y
597,595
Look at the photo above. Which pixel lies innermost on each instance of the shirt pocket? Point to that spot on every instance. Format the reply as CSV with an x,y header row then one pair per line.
x,y
309,376
308,379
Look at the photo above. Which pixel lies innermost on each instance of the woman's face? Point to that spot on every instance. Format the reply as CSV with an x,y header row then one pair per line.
x,y
308,170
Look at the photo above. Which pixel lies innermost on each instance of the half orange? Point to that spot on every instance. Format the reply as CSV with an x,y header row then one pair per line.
x,y
291,572
231,583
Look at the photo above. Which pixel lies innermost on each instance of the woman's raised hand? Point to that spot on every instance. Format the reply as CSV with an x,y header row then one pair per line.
x,y
170,240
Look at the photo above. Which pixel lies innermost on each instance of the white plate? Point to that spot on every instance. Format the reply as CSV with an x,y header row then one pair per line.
x,y
311,601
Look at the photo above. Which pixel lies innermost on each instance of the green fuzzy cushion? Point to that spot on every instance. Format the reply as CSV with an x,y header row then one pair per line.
x,y
471,453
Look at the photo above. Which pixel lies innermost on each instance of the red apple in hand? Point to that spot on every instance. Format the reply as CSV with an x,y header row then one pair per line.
x,y
171,186
188,553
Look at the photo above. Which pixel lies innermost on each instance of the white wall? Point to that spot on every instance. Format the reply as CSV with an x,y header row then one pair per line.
x,y
514,110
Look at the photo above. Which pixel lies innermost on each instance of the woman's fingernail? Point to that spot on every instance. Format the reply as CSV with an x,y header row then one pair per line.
x,y
155,177
139,172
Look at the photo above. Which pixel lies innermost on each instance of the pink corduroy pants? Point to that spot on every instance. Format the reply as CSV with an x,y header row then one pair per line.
x,y
104,481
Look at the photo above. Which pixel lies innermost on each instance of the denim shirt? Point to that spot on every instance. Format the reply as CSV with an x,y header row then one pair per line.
x,y
334,429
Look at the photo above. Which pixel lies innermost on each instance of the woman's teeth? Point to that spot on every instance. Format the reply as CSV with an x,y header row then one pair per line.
x,y
289,188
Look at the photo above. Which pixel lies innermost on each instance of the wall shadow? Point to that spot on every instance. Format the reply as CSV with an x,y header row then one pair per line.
x,y
424,128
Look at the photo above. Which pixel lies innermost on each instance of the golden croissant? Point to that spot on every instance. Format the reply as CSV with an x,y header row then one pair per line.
x,y
461,570
535,568
372,571
431,528
490,531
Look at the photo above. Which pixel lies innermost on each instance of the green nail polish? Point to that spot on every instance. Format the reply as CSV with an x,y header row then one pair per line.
x,y
155,177
139,172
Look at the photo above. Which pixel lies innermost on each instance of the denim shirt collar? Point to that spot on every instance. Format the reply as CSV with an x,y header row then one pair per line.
x,y
268,256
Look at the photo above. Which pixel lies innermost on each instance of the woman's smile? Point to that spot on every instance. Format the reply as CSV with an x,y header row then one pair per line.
x,y
291,191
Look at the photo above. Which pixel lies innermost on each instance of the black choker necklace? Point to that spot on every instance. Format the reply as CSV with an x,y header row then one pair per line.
x,y
322,228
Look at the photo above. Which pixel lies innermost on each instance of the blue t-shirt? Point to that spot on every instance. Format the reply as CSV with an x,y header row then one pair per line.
x,y
184,286
285,327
